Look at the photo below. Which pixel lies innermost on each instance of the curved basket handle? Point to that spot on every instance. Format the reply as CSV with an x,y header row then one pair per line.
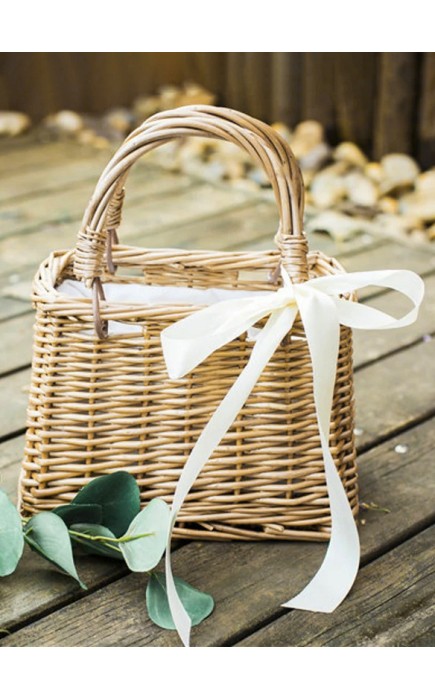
x,y
263,143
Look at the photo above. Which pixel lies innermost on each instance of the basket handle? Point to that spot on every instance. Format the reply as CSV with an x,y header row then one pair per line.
x,y
264,144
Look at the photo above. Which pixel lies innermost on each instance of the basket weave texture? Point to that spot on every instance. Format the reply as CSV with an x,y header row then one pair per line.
x,y
99,404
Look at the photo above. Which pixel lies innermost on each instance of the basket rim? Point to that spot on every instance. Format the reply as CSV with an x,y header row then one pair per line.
x,y
51,270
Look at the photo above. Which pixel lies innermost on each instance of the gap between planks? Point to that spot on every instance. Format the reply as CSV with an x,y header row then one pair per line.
x,y
249,580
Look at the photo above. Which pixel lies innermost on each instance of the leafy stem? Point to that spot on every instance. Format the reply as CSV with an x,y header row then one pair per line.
x,y
109,540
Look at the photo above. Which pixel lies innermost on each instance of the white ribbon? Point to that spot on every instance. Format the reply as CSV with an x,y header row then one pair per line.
x,y
189,341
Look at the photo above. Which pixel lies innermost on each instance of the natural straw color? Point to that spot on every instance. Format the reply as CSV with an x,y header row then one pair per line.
x,y
102,404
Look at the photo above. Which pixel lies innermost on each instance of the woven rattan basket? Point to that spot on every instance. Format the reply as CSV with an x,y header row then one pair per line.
x,y
102,403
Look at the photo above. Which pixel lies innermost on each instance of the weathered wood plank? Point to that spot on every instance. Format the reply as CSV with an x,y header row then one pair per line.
x,y
394,393
426,127
9,308
286,86
354,81
16,343
372,345
319,104
392,604
11,453
389,256
54,177
13,402
30,214
396,106
250,580
44,589
33,155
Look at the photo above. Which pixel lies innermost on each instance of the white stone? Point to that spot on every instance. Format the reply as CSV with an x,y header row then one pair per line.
x,y
388,205
65,121
399,170
120,119
145,106
350,153
314,158
394,225
282,130
425,182
360,189
13,123
327,189
305,137
375,172
419,204
340,226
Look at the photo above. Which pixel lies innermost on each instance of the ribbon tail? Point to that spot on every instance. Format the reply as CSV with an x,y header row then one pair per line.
x,y
339,568
277,326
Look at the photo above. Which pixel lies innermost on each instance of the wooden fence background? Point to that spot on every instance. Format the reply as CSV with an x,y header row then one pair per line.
x,y
383,101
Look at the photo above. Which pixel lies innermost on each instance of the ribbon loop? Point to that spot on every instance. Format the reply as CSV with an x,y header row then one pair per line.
x,y
190,341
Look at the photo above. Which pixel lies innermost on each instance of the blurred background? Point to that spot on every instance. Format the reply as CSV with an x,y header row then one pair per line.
x,y
382,101
362,125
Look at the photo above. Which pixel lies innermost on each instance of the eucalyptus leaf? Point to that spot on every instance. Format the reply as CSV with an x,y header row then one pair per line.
x,y
118,495
11,536
198,605
96,547
47,534
80,513
144,553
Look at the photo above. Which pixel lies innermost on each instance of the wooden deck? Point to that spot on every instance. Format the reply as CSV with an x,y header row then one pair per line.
x,y
44,189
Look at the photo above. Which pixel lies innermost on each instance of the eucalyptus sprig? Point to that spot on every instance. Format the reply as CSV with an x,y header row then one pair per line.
x,y
104,519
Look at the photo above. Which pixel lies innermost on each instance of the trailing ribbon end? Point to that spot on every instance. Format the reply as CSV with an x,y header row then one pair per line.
x,y
181,619
190,341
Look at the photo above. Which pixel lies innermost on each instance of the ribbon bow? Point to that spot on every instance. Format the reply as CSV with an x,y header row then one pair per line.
x,y
189,341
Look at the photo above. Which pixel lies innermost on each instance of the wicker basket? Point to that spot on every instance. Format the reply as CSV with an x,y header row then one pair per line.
x,y
99,404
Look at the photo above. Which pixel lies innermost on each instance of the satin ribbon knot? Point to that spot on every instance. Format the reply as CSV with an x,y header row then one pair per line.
x,y
322,309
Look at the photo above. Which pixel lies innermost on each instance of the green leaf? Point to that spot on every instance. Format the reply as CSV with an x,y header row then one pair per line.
x,y
198,605
80,513
11,536
118,495
48,535
96,547
145,552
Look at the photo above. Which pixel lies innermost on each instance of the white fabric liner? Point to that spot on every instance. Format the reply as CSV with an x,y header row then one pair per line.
x,y
147,294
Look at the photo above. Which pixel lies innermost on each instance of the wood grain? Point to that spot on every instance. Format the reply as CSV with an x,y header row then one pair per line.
x,y
426,125
13,402
392,604
370,97
396,104
393,396
354,82
249,581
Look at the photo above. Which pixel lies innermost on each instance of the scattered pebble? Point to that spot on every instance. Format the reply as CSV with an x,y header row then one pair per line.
x,y
120,119
13,123
346,194
401,449
358,431
340,227
360,189
350,153
427,338
327,189
398,171
66,121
